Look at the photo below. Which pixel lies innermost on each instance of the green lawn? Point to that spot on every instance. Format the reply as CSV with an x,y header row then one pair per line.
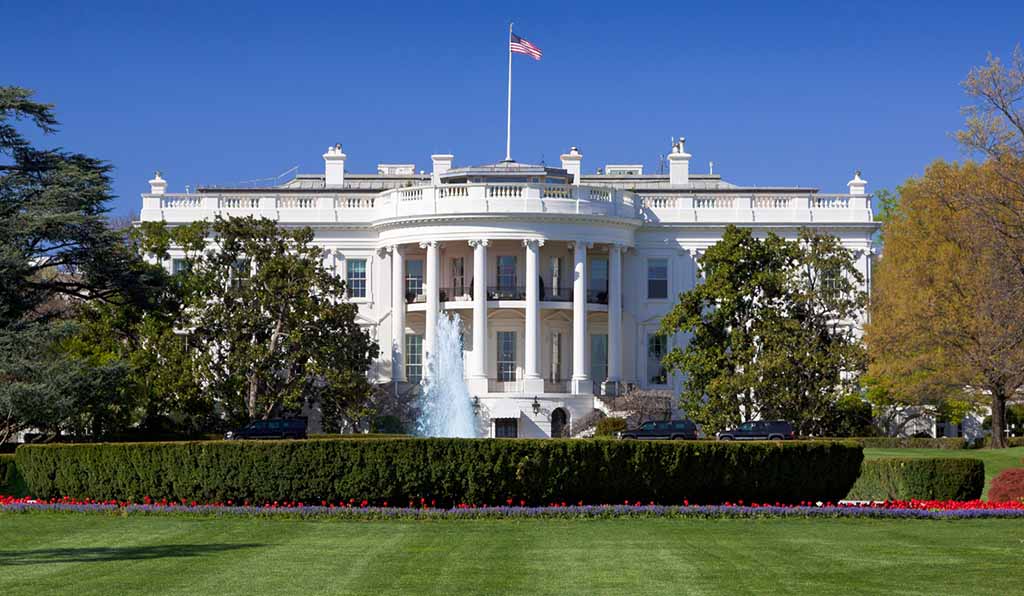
x,y
996,460
104,555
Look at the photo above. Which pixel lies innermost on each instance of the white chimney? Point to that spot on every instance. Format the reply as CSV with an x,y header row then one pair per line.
x,y
679,164
442,163
857,185
572,162
157,186
334,167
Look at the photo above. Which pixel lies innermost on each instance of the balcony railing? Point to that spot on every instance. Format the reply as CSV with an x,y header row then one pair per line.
x,y
504,386
556,294
506,293
599,296
457,294
557,386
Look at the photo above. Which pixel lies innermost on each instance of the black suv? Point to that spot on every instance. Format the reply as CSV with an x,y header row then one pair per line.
x,y
275,428
671,429
770,430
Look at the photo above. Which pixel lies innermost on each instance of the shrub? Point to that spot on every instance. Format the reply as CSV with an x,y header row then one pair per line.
x,y
910,442
10,481
958,479
607,427
1007,486
1010,441
450,471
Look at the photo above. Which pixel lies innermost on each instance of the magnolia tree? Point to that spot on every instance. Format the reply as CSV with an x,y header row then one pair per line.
x,y
268,326
770,332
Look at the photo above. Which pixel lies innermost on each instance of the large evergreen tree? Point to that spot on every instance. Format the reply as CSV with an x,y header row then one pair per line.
x,y
57,251
770,331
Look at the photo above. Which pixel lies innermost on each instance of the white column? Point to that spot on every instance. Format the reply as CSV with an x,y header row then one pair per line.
x,y
615,315
533,383
478,370
433,286
581,383
397,314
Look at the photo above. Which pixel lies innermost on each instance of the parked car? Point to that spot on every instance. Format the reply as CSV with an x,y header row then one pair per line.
x,y
760,430
669,429
275,428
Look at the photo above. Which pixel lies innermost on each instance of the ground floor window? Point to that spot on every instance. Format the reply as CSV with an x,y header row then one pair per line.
x,y
507,428
414,358
355,275
657,347
506,356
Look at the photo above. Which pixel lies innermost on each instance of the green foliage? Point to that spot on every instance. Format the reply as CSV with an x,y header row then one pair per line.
x,y
450,471
270,328
11,483
766,330
1007,486
959,479
948,443
850,416
607,427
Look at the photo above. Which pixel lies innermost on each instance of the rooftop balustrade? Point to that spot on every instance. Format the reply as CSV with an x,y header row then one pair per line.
x,y
497,198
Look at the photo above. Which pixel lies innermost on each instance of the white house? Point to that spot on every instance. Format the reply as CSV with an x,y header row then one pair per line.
x,y
561,278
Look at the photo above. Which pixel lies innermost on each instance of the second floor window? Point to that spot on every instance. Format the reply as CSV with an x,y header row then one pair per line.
x,y
458,276
179,266
506,356
241,273
657,279
506,272
355,277
414,278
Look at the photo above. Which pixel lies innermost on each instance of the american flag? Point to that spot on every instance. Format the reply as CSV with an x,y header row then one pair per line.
x,y
521,46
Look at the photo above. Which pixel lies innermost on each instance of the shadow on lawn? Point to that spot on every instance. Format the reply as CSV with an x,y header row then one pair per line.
x,y
102,554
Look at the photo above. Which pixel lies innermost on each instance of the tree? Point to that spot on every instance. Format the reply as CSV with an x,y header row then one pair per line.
x,y
56,253
770,331
268,326
945,322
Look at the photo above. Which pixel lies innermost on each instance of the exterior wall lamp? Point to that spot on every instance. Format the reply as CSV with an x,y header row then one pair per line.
x,y
536,406
476,405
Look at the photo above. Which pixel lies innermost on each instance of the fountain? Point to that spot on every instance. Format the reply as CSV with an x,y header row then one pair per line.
x,y
445,408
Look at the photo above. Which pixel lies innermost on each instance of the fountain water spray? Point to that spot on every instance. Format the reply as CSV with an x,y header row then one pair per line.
x,y
446,409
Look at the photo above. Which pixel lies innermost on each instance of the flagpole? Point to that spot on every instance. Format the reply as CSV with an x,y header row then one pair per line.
x,y
508,129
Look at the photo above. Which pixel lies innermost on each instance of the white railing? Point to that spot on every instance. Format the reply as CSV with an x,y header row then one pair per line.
x,y
355,203
660,202
599,194
453,190
830,201
557,191
239,203
411,194
771,202
706,202
297,202
180,202
504,190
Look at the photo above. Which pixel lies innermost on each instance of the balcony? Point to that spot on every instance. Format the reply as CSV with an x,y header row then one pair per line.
x,y
504,386
597,296
557,386
559,294
506,293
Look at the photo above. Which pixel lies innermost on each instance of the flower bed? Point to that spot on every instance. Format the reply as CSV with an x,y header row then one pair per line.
x,y
365,511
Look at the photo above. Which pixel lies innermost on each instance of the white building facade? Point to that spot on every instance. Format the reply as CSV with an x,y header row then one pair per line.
x,y
560,278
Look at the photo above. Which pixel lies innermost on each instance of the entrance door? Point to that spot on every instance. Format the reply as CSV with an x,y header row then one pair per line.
x,y
558,422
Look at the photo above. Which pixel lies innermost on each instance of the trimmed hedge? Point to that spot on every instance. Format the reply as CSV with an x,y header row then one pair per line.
x,y
1010,441
908,442
448,471
10,481
895,478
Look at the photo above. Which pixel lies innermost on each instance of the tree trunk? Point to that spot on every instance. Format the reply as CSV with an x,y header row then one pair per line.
x,y
998,419
250,400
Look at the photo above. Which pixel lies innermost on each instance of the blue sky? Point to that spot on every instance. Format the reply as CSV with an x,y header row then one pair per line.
x,y
774,93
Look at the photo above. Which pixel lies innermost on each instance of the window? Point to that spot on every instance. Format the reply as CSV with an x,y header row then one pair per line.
x,y
179,266
557,291
831,280
657,346
506,355
506,273
556,357
240,274
599,358
413,279
506,428
458,276
657,279
355,276
414,358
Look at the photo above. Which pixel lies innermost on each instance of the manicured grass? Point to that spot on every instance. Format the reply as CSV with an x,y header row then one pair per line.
x,y
996,460
101,554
